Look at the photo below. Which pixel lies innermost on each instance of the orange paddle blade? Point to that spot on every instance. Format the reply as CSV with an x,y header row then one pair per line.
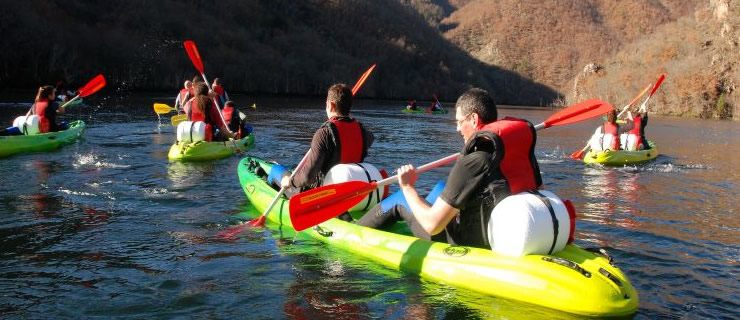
x,y
194,55
315,206
93,86
364,77
642,93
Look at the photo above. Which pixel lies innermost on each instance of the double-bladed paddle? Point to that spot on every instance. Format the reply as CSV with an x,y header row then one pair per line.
x,y
259,222
315,206
91,87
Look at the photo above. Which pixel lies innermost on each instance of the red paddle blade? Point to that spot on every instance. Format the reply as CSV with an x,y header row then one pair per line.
x,y
362,79
194,55
579,112
259,222
315,206
93,86
657,84
578,155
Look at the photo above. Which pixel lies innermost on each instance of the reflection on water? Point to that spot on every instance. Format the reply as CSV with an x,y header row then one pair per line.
x,y
109,219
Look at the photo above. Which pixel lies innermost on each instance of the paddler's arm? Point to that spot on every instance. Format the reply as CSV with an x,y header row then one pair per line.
x,y
465,177
320,150
432,219
214,113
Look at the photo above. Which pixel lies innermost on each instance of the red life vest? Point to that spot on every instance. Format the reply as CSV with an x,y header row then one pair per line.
x,y
348,135
195,115
518,166
511,143
228,113
613,129
40,109
183,96
636,130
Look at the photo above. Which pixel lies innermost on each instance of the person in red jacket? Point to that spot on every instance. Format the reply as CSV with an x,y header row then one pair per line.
x,y
202,108
221,95
497,160
341,139
184,95
46,108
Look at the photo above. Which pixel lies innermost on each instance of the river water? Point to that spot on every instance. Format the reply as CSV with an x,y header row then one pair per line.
x,y
109,227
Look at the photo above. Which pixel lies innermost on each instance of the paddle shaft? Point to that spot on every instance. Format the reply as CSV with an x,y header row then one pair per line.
x,y
438,163
642,93
282,189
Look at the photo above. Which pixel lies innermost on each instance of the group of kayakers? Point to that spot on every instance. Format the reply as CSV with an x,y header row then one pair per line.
x,y
223,121
497,160
629,136
436,105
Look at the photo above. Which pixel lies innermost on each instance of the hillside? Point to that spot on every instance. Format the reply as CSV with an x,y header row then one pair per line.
x,y
268,46
700,56
551,41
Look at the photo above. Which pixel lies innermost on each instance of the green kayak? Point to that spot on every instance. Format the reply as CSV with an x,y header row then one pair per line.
x,y
573,280
10,145
204,150
443,111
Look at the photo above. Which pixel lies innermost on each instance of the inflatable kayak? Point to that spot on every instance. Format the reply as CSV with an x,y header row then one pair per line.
x,y
621,157
10,145
204,150
443,111
572,280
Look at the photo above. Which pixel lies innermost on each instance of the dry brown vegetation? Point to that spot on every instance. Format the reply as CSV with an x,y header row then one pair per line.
x,y
698,53
551,41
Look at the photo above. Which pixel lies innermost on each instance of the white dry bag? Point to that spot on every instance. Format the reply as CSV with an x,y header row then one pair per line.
x,y
522,224
357,172
28,125
188,131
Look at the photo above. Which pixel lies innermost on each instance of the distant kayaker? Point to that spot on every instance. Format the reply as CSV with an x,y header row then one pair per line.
x,y
202,108
436,106
46,108
341,139
483,175
221,95
412,105
184,95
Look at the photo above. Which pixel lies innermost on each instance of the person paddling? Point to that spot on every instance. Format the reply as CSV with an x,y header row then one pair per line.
x,y
202,108
235,120
412,105
612,131
436,105
497,160
47,108
341,139
221,95
184,95
639,121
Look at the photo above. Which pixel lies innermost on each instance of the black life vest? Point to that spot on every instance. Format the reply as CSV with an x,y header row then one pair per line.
x,y
511,142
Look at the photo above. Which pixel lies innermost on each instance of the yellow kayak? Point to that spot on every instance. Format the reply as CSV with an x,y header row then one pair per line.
x,y
572,280
621,157
204,150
